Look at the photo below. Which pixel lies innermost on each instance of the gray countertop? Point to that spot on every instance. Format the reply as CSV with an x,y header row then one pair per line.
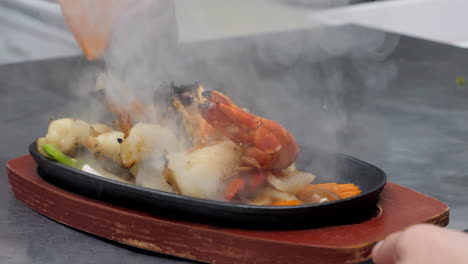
x,y
390,100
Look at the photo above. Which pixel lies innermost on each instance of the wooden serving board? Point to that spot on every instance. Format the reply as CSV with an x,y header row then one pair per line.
x,y
400,208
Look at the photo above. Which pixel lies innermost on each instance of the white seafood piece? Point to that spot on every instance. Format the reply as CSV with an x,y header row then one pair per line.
x,y
149,174
66,134
200,173
146,139
105,145
293,182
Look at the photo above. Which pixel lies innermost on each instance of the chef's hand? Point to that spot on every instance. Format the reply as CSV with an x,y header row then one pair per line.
x,y
423,244
93,22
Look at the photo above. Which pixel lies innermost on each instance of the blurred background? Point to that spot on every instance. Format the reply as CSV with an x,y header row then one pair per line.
x,y
35,29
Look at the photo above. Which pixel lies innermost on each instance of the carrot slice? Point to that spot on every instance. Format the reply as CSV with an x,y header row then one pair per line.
x,y
287,203
343,190
233,188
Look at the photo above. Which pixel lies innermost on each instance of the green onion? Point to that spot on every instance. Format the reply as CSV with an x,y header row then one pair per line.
x,y
55,154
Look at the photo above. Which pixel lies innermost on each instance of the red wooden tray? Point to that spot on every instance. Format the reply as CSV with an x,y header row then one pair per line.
x,y
400,208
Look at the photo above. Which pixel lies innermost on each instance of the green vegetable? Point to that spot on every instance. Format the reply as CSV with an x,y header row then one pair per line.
x,y
55,154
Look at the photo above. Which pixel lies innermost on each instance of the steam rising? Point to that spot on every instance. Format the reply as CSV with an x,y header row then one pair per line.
x,y
305,80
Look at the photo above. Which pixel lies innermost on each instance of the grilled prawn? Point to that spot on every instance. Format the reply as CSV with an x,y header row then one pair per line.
x,y
268,145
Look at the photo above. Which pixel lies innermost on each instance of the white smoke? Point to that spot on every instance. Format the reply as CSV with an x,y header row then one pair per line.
x,y
307,80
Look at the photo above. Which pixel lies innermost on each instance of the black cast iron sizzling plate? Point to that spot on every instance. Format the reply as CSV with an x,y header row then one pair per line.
x,y
328,167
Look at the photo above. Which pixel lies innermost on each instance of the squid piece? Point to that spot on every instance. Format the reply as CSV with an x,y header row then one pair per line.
x,y
293,182
145,140
201,173
149,174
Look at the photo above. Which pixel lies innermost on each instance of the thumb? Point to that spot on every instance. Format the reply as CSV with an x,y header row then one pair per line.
x,y
422,244
386,251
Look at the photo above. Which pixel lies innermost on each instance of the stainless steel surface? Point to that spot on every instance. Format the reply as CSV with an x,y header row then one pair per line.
x,y
414,127
35,29
436,20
